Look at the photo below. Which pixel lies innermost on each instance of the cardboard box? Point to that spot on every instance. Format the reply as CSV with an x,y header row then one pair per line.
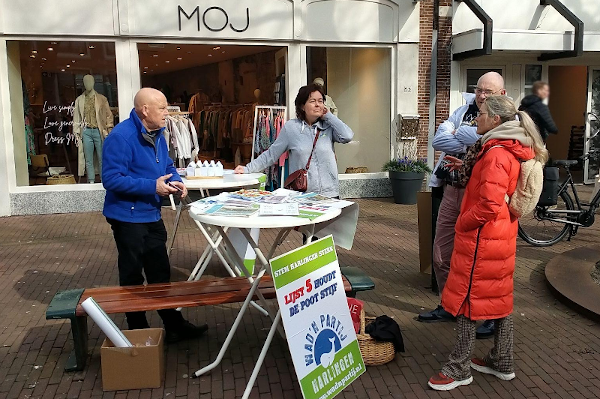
x,y
142,366
425,231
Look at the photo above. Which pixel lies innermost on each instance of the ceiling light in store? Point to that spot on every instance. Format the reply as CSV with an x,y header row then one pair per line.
x,y
68,66
210,55
223,52
217,48
62,70
33,51
155,64
154,55
81,54
72,61
44,59
50,49
145,71
179,58
167,61
92,47
178,48
53,43
152,70
145,67
32,56
189,52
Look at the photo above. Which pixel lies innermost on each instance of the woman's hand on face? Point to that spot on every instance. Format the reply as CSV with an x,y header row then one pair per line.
x,y
325,110
453,162
239,170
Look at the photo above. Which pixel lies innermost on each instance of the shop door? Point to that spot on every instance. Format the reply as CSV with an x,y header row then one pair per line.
x,y
592,142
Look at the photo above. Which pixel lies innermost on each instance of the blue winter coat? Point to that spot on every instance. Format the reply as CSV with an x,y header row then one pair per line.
x,y
130,167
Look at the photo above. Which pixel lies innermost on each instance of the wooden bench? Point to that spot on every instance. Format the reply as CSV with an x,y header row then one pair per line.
x,y
217,291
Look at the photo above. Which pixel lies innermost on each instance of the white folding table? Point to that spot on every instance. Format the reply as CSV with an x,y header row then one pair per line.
x,y
204,185
219,243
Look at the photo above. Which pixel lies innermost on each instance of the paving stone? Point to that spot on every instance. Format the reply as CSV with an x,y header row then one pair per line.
x,y
557,351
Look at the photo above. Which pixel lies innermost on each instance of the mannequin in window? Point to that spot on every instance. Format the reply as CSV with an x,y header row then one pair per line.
x,y
92,122
257,97
328,100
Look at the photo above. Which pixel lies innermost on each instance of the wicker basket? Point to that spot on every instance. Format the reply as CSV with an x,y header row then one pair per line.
x,y
61,179
374,353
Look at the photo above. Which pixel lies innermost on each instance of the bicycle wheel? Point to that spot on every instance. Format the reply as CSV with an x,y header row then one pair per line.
x,y
544,233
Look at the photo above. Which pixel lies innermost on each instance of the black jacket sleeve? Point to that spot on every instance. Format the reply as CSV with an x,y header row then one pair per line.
x,y
545,118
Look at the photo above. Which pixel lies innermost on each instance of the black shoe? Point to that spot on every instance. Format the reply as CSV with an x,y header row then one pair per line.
x,y
186,331
486,330
436,315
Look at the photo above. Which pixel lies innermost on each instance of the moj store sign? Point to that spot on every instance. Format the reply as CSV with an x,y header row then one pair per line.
x,y
223,19
214,18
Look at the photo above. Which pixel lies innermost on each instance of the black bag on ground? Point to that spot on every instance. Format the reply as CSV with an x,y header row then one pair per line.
x,y
549,195
384,328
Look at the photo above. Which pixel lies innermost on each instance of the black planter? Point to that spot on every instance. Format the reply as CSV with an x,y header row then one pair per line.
x,y
405,186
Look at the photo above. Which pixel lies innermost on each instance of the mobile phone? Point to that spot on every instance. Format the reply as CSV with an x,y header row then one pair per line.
x,y
175,187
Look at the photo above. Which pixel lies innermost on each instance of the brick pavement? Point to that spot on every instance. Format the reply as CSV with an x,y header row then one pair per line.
x,y
557,351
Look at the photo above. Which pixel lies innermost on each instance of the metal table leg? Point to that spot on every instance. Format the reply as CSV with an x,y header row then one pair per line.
x,y
234,327
261,357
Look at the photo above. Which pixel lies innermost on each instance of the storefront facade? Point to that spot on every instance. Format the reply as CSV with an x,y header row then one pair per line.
x,y
537,40
366,51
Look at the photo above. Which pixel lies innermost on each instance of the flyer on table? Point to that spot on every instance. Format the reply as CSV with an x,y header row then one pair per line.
x,y
316,318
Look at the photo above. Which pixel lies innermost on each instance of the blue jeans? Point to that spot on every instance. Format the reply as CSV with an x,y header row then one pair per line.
x,y
91,139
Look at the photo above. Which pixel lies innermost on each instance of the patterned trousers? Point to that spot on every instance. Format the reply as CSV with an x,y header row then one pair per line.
x,y
500,357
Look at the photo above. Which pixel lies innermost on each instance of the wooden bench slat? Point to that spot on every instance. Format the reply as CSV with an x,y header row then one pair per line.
x,y
171,303
173,289
178,294
226,281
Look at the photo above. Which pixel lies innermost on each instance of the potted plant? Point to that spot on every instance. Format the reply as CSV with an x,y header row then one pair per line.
x,y
406,176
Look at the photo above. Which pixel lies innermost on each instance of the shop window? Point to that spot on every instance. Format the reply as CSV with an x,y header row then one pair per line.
x,y
533,73
358,82
53,130
473,76
217,88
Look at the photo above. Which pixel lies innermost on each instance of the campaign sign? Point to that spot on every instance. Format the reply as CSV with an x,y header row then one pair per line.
x,y
316,318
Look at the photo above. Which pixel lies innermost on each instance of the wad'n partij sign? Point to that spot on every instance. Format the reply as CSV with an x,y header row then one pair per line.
x,y
317,322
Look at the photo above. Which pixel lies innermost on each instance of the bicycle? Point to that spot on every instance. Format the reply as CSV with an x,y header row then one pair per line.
x,y
547,225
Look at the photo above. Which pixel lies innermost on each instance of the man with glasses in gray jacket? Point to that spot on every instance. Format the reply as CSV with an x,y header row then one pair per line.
x,y
453,137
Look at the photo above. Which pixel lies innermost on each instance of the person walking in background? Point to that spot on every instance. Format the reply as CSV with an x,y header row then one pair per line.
x,y
136,173
455,136
536,106
480,284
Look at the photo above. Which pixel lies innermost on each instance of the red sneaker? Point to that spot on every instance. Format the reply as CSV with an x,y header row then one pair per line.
x,y
479,365
442,382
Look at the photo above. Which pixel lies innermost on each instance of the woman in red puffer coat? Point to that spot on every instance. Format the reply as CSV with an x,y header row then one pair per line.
x,y
480,283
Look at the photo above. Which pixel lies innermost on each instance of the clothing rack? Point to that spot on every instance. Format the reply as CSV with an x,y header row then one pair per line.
x,y
269,110
181,136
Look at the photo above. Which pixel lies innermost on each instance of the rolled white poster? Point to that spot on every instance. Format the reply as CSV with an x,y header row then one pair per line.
x,y
105,323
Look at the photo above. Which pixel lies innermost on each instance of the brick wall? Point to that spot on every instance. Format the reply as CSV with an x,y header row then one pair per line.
x,y
443,69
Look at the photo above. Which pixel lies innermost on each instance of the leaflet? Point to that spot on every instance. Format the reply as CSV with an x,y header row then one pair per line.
x,y
286,209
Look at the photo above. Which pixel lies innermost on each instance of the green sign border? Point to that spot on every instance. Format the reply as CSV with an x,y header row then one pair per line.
x,y
300,254
329,390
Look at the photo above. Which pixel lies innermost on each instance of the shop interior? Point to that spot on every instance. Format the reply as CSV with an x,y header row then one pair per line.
x,y
48,76
216,89
358,82
568,104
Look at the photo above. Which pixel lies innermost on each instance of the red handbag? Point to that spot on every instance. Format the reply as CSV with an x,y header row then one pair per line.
x,y
298,180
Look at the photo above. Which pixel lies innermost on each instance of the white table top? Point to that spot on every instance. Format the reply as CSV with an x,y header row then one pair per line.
x,y
228,181
263,222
